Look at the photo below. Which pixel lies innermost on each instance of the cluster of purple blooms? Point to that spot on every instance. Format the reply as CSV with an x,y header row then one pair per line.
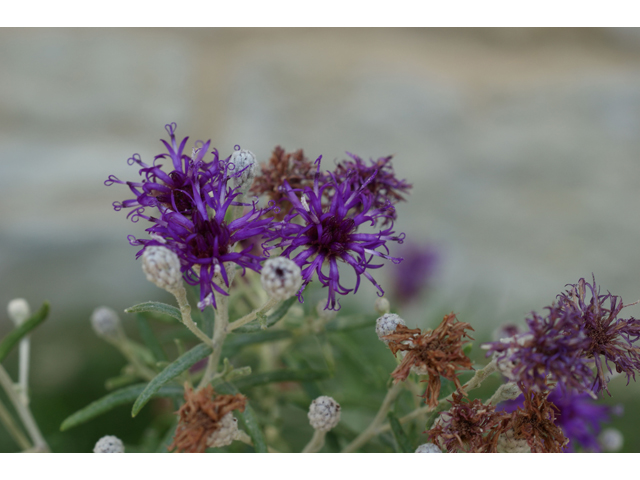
x,y
574,346
195,200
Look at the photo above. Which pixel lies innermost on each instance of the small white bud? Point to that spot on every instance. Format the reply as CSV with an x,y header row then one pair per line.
x,y
324,413
244,161
226,434
387,324
508,443
109,444
18,310
428,448
382,306
105,322
611,439
281,278
325,315
162,267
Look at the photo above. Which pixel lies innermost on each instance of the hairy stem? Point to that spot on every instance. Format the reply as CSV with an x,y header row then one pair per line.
x,y
250,317
372,430
13,429
23,375
185,310
316,443
24,413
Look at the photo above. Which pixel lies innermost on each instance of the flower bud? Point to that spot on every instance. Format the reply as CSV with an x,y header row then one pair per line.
x,y
324,413
281,278
611,440
387,324
162,267
105,322
226,434
109,444
246,166
18,310
382,306
428,448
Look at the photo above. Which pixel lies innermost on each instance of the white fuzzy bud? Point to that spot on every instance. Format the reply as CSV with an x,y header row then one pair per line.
x,y
18,310
162,267
105,322
382,306
324,413
109,444
244,161
281,278
428,448
611,440
386,325
226,434
508,443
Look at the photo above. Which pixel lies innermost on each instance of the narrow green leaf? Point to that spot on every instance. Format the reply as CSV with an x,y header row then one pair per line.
x,y
248,419
280,312
115,399
156,307
15,335
163,446
403,441
280,376
150,339
175,368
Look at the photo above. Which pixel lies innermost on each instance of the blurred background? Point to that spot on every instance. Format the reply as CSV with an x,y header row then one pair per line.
x,y
522,146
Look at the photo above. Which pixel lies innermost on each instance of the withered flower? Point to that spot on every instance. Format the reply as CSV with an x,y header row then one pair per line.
x,y
536,423
294,167
438,352
201,416
468,427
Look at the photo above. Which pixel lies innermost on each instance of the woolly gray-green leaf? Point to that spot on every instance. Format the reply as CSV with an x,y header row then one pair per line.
x,y
156,307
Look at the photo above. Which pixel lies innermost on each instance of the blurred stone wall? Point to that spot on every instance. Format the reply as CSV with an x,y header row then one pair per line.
x,y
522,146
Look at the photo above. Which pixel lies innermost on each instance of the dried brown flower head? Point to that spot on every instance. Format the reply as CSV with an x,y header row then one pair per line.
x,y
536,423
468,427
294,167
438,353
201,416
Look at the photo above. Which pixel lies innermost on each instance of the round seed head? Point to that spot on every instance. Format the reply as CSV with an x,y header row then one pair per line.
x,y
105,322
382,305
428,448
244,161
226,433
109,444
387,324
18,310
324,413
162,267
281,278
611,440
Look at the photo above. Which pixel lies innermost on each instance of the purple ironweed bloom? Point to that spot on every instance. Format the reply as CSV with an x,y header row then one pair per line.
x,y
386,189
578,415
205,245
413,275
171,189
607,335
328,234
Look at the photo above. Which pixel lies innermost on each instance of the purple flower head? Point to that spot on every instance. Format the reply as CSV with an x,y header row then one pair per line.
x,y
386,189
608,336
172,189
552,349
578,415
412,276
313,235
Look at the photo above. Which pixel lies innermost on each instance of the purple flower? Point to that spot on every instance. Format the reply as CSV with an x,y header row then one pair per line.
x,y
578,415
184,197
612,337
313,236
413,275
386,189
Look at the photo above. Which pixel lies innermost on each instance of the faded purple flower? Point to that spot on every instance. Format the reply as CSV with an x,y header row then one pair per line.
x,y
412,276
314,235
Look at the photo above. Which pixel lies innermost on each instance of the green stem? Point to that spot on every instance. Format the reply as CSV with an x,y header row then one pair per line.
x,y
271,302
13,429
24,413
316,443
185,310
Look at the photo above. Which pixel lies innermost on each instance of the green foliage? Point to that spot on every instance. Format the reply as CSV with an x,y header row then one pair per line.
x,y
156,307
269,320
404,445
15,335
